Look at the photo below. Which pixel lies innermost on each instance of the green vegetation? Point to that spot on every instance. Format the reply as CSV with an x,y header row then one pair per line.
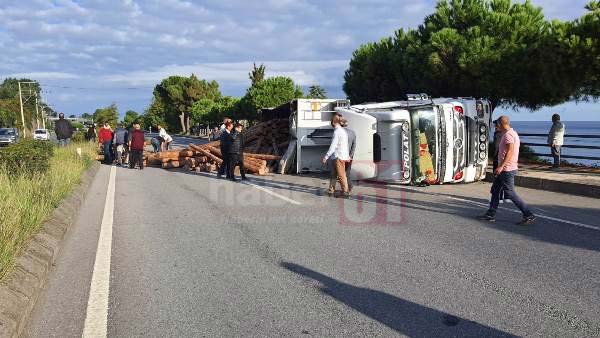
x,y
177,94
109,114
268,93
180,102
27,157
504,51
130,117
10,107
29,198
316,92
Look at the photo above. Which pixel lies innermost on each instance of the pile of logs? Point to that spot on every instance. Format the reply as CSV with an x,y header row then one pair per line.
x,y
264,145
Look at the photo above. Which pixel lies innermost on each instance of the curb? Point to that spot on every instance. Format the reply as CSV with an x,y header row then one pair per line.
x,y
570,188
22,287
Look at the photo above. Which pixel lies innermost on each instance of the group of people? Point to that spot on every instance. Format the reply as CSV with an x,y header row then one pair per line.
x,y
339,156
121,146
231,146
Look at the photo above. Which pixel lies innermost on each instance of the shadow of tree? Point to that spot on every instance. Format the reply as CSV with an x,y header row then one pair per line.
x,y
403,316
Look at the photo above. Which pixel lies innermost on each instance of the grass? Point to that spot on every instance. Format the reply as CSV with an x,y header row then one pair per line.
x,y
28,201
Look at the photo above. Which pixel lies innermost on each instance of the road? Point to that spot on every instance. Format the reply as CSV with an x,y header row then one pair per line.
x,y
190,255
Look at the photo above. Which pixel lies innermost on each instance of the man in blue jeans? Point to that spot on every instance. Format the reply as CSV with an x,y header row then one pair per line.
x,y
504,174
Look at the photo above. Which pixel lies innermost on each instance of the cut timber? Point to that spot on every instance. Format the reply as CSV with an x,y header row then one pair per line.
x,y
264,156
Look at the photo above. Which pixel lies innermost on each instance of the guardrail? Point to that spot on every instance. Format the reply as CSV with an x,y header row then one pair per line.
x,y
572,146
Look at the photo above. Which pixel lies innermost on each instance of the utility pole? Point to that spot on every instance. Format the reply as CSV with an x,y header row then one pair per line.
x,y
37,114
21,100
22,114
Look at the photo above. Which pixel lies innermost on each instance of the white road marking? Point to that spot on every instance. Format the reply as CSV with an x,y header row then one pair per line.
x,y
96,319
272,193
550,218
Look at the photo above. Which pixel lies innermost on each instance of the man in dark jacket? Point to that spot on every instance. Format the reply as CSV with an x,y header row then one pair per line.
x,y
226,141
120,138
236,155
136,147
64,130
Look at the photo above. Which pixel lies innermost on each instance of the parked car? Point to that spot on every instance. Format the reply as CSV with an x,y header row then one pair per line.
x,y
8,136
41,134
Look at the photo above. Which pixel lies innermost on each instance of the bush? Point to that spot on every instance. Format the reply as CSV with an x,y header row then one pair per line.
x,y
78,136
27,200
26,157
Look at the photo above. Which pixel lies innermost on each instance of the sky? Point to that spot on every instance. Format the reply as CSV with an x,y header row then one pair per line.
x,y
89,54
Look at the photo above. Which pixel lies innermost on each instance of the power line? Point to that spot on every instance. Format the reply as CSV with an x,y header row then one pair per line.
x,y
97,88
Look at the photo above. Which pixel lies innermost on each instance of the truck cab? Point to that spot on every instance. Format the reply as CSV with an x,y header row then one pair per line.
x,y
426,141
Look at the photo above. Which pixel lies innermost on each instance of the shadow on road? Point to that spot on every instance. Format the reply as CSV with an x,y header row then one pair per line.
x,y
403,316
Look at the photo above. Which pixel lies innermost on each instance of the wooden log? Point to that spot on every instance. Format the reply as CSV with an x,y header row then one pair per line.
x,y
171,164
263,156
207,153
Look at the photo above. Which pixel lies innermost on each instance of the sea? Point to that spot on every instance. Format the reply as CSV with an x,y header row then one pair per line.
x,y
571,128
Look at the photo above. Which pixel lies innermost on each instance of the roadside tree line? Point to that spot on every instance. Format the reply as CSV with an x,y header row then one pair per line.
x,y
181,102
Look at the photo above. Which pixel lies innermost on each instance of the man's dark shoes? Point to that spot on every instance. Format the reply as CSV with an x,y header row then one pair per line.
x,y
233,179
527,220
487,217
244,178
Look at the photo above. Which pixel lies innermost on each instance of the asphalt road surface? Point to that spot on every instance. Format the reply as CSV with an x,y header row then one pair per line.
x,y
178,254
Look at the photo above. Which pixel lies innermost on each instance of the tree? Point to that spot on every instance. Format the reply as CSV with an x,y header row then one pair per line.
x,y
130,117
317,92
86,116
257,74
72,116
108,115
504,51
177,95
10,107
211,112
270,92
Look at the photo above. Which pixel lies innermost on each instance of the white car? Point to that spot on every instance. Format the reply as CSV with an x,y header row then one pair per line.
x,y
41,134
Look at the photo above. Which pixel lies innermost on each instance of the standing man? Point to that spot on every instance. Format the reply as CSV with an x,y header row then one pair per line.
x,y
90,135
64,130
338,151
105,139
556,139
236,153
226,141
136,147
504,175
120,139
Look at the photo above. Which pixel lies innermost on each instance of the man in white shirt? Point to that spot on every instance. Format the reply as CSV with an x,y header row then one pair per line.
x,y
167,139
338,152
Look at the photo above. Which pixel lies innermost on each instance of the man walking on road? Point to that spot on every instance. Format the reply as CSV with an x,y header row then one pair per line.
x,y
120,139
64,130
556,139
338,151
136,147
226,141
504,175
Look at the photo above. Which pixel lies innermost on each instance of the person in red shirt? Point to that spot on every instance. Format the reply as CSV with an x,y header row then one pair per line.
x,y
136,147
105,137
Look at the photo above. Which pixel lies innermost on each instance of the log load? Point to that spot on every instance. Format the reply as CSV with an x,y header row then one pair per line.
x,y
265,142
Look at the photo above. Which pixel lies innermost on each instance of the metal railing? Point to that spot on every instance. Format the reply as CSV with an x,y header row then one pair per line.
x,y
572,146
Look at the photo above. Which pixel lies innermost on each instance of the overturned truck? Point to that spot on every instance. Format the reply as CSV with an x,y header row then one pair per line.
x,y
419,140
